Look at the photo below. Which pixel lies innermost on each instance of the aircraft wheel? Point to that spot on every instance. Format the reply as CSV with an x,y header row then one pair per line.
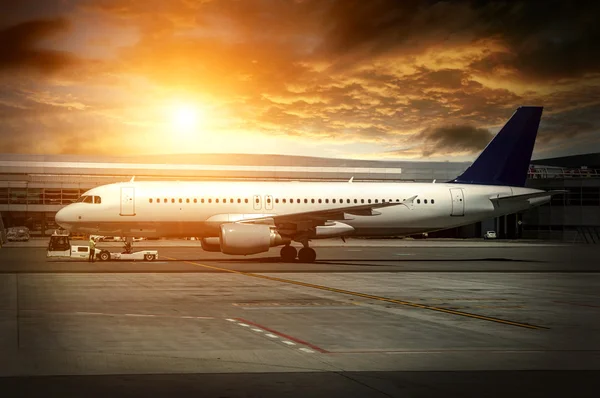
x,y
288,253
104,256
307,255
149,257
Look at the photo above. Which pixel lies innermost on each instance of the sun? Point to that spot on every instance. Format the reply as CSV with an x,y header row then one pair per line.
x,y
186,117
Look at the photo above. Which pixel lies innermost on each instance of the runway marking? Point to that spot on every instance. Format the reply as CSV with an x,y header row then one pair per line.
x,y
285,339
257,330
373,297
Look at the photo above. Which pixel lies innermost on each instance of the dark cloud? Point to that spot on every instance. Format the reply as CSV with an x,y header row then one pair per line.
x,y
455,138
19,46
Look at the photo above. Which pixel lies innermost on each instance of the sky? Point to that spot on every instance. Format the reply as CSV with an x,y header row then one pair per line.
x,y
377,79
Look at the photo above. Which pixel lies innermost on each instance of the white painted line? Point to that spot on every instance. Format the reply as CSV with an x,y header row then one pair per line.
x,y
139,315
308,350
244,325
271,335
188,317
257,330
404,254
230,320
288,342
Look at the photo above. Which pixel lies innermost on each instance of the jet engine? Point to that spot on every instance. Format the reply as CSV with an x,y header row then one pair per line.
x,y
246,239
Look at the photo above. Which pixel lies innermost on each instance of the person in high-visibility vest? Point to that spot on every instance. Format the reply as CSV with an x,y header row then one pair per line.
x,y
92,256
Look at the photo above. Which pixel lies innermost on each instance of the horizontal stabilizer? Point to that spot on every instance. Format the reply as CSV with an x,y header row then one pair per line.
x,y
527,196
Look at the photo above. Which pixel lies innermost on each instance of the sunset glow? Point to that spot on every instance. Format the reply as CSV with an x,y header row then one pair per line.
x,y
434,81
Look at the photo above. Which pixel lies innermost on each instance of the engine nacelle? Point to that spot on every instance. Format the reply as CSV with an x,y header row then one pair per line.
x,y
246,239
211,244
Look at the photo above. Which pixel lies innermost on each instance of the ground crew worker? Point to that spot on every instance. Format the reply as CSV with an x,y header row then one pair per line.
x,y
92,257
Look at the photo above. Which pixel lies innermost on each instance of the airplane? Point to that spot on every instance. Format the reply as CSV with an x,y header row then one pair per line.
x,y
243,218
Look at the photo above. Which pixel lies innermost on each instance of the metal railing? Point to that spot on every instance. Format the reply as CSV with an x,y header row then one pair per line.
x,y
560,172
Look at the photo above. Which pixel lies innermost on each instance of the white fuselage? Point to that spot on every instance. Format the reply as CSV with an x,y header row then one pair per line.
x,y
181,209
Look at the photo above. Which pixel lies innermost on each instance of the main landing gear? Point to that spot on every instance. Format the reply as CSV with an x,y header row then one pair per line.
x,y
305,255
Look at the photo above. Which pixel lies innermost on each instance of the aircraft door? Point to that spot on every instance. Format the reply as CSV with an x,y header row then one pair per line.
x,y
458,201
257,202
127,201
268,202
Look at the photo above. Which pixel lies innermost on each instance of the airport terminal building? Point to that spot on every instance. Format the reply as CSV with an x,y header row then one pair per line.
x,y
34,187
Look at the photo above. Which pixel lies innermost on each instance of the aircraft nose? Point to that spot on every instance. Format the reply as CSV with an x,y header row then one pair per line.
x,y
64,217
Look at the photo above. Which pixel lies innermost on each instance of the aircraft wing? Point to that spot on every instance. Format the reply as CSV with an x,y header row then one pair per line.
x,y
526,196
319,217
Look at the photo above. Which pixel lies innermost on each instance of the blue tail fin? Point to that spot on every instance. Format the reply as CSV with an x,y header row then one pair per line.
x,y
505,161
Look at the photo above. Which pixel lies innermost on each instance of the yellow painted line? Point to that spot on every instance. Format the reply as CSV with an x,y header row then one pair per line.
x,y
372,297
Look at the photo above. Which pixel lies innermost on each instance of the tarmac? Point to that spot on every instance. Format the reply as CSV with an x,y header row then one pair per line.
x,y
368,319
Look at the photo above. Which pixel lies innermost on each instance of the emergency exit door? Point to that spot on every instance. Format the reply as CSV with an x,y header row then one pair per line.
x,y
257,202
127,201
458,202
268,202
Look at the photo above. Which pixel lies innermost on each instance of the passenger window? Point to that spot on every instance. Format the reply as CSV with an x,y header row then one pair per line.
x,y
362,201
202,200
231,200
319,200
268,200
333,201
419,201
376,201
312,201
245,200
326,200
224,200
209,200
187,201
355,200
283,200
347,200
425,201
432,201
297,200
276,200
216,200
166,200
257,200
195,200
239,200
305,200
150,200
172,200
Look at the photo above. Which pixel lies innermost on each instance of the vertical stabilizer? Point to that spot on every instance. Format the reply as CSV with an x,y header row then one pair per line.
x,y
505,160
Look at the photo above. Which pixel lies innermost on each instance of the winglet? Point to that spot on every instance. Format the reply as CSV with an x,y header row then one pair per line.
x,y
351,179
132,178
410,202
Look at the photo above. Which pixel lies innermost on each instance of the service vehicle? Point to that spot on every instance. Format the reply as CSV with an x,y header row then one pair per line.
x,y
489,235
17,234
60,246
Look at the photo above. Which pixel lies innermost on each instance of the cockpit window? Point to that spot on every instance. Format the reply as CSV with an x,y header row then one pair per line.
x,y
89,199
